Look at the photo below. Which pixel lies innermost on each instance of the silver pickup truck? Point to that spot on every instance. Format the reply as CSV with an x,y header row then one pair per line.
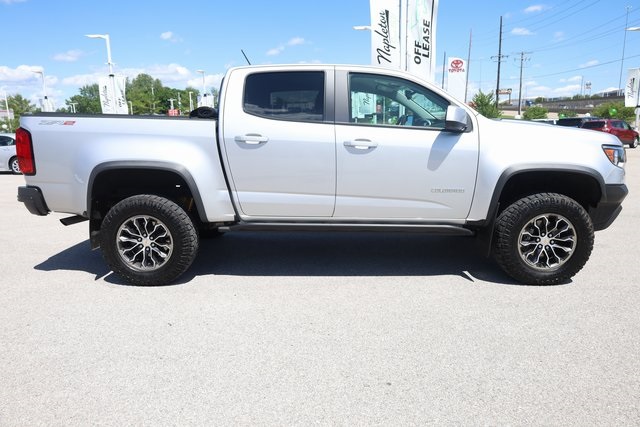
x,y
324,147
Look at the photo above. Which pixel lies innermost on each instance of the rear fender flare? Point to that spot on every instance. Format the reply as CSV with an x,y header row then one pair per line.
x,y
175,168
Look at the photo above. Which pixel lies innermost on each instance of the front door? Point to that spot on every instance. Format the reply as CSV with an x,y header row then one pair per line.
x,y
394,161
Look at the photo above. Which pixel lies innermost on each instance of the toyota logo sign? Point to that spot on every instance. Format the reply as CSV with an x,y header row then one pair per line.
x,y
457,63
456,66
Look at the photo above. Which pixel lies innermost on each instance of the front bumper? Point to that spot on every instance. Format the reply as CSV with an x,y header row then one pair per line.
x,y
33,200
609,206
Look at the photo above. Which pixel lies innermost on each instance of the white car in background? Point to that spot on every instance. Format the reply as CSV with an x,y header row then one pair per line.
x,y
8,157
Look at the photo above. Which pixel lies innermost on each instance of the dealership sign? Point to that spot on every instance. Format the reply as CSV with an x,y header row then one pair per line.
x,y
403,35
457,77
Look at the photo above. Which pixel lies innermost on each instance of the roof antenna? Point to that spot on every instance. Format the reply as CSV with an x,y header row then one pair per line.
x,y
245,56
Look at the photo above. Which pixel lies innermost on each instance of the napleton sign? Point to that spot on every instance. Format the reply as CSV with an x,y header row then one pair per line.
x,y
403,35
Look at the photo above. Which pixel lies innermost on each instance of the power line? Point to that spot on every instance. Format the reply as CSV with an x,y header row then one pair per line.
x,y
582,68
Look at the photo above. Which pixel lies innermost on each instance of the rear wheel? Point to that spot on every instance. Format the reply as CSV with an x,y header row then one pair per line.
x,y
14,166
148,240
543,239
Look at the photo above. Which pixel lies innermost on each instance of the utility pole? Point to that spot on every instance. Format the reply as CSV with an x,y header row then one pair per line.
x,y
466,83
624,42
499,59
444,62
522,59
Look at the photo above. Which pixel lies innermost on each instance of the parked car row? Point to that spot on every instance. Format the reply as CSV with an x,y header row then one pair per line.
x,y
616,127
619,128
8,157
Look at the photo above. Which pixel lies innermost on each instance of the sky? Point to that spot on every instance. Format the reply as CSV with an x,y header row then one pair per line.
x,y
561,45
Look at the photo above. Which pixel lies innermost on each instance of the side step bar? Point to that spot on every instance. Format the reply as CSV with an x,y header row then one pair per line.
x,y
449,230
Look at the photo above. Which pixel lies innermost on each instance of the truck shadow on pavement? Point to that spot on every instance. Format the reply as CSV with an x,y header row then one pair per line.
x,y
314,254
344,254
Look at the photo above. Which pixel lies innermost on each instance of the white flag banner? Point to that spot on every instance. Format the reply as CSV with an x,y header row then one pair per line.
x,y
456,77
385,33
112,95
421,37
631,89
47,105
205,101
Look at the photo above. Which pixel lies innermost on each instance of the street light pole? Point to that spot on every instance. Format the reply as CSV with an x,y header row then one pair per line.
x,y
204,88
190,102
45,99
112,77
6,105
106,39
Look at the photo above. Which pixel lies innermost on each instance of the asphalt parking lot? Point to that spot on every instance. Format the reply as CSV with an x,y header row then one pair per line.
x,y
301,329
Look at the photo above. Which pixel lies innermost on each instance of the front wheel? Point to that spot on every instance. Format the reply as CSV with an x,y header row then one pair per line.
x,y
543,239
148,240
634,144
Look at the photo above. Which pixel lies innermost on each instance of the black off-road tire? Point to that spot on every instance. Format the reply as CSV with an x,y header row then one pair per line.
x,y
148,240
543,239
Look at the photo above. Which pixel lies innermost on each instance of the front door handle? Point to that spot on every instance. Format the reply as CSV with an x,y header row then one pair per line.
x,y
361,144
252,138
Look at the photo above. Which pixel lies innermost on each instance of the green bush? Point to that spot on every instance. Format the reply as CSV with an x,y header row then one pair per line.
x,y
485,104
535,112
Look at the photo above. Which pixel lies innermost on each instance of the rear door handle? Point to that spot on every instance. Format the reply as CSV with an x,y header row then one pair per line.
x,y
251,138
361,144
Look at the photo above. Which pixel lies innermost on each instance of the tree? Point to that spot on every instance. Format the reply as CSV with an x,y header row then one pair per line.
x,y
615,110
88,101
19,105
485,104
535,112
144,94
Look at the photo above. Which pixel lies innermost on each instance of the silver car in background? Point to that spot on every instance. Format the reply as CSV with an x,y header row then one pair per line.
x,y
8,157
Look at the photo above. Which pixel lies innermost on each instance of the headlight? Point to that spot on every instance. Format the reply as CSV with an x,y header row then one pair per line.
x,y
615,154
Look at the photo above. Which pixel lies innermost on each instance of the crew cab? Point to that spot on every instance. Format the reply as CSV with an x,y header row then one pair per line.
x,y
324,147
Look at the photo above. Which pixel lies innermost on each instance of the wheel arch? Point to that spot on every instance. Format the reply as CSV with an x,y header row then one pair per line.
x,y
583,184
112,182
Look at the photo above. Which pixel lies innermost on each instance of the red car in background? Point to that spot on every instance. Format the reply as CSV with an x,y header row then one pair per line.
x,y
619,128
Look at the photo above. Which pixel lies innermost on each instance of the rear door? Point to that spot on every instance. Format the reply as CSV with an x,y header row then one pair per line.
x,y
279,141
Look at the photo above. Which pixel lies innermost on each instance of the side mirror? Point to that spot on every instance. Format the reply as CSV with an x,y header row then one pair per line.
x,y
456,119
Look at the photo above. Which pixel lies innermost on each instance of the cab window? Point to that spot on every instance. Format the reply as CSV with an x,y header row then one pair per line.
x,y
293,96
391,101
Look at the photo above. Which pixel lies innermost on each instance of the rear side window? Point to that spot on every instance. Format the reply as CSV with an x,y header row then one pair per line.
x,y
294,96
569,122
6,141
593,125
